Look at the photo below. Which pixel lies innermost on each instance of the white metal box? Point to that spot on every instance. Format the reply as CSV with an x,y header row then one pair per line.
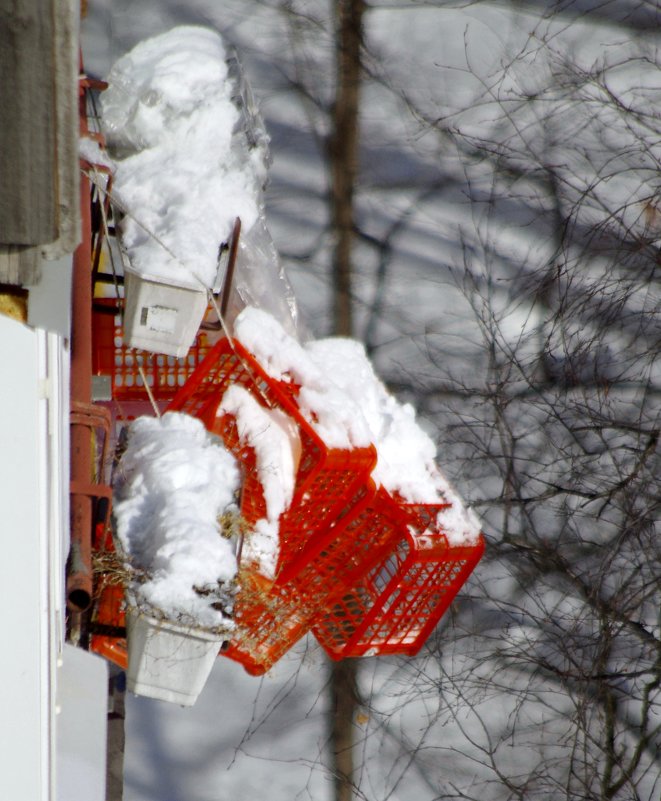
x,y
161,317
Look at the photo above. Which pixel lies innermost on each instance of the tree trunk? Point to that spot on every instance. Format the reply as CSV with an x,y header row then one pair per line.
x,y
343,155
343,158
115,740
343,706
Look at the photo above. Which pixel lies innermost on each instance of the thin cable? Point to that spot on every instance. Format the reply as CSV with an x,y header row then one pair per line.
x,y
154,405
210,297
118,204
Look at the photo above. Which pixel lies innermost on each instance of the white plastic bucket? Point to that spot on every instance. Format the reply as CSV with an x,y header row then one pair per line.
x,y
166,660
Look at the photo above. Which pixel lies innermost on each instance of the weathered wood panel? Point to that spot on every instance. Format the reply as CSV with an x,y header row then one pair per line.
x,y
39,171
19,264
28,211
66,70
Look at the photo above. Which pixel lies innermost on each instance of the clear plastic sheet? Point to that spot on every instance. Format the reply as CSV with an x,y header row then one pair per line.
x,y
260,280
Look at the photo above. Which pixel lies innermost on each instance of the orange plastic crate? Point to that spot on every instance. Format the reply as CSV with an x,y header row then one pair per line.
x,y
107,621
332,484
274,618
332,487
108,624
112,358
269,621
395,605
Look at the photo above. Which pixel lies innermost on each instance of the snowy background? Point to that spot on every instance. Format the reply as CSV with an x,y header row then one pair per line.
x,y
499,141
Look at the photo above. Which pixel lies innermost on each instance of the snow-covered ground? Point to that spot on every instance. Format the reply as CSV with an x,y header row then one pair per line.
x,y
244,739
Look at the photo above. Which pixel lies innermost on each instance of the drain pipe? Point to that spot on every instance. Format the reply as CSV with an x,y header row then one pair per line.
x,y
79,570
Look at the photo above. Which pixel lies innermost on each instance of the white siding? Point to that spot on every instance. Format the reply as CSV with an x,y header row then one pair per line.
x,y
26,664
34,530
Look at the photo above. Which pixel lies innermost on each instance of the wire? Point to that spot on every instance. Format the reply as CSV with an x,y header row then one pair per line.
x,y
152,400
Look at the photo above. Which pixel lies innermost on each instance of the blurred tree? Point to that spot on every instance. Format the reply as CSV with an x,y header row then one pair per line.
x,y
343,165
495,241
549,683
505,278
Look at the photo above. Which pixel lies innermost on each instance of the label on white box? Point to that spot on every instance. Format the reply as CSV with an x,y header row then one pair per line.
x,y
159,318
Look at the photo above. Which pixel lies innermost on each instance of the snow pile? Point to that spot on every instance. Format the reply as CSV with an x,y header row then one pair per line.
x,y
90,150
277,452
348,406
173,483
183,171
337,420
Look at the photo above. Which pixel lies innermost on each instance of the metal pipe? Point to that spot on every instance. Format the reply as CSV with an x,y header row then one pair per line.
x,y
79,569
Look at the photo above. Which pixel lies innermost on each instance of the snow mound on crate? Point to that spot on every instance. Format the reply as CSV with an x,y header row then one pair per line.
x,y
277,451
349,406
173,483
182,172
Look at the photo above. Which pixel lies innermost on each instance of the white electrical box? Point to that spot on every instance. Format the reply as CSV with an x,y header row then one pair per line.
x,y
161,317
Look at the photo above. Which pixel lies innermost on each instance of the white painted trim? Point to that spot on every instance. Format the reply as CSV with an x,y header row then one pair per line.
x,y
34,529
25,690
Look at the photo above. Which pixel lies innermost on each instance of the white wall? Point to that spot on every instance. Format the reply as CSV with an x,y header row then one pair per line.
x,y
27,663
36,739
